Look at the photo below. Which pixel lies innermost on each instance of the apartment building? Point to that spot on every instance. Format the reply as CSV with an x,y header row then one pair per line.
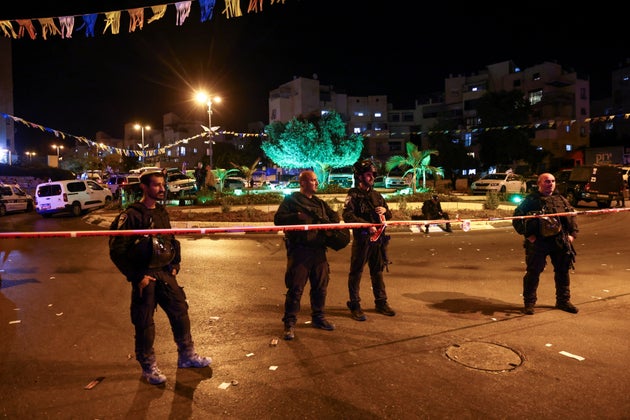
x,y
559,100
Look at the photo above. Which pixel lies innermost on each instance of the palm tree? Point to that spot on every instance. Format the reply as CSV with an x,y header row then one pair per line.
x,y
247,171
418,163
221,174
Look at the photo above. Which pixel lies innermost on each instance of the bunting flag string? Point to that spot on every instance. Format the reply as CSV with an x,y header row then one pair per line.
x,y
64,26
128,152
125,152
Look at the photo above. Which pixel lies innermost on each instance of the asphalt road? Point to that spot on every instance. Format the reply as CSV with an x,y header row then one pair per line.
x,y
459,346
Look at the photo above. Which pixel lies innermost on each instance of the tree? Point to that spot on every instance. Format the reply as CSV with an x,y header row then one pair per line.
x,y
247,171
507,143
221,174
320,146
418,163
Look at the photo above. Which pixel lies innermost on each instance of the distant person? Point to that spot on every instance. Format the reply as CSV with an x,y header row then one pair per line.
x,y
306,253
365,205
200,176
151,267
432,210
211,180
551,236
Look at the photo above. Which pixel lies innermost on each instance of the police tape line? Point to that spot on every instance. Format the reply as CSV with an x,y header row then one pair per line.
x,y
466,226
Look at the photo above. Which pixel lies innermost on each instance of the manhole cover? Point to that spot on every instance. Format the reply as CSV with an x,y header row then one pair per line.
x,y
484,356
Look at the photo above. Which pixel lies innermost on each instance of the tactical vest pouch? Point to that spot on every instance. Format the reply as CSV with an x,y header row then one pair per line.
x,y
550,226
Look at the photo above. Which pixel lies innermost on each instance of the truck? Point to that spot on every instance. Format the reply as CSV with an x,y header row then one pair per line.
x,y
591,183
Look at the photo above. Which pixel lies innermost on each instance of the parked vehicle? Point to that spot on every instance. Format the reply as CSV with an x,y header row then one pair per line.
x,y
344,177
590,183
117,180
70,196
234,183
13,198
379,182
499,183
179,185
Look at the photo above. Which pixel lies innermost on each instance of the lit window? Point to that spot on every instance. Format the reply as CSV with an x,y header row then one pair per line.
x,y
568,147
358,114
356,130
535,96
182,151
377,115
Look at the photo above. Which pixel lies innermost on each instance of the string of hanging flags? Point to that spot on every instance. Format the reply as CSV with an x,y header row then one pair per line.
x,y
66,26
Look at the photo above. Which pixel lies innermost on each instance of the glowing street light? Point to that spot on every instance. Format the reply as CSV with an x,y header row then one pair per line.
x,y
30,155
204,98
142,128
58,147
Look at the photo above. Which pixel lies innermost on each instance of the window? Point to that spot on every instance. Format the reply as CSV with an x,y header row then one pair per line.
x,y
568,147
535,96
536,76
377,115
517,83
582,93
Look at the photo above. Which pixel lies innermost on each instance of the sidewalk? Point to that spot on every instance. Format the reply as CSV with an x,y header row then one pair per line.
x,y
104,217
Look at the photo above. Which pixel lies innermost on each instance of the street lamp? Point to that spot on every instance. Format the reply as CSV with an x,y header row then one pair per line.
x,y
204,98
30,155
142,128
54,146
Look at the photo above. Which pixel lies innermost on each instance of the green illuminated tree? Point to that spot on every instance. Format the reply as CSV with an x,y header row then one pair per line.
x,y
418,163
320,145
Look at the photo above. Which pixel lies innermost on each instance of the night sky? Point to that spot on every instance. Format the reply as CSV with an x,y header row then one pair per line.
x,y
84,85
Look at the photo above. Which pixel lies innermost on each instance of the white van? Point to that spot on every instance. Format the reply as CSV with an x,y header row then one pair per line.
x,y
343,177
73,196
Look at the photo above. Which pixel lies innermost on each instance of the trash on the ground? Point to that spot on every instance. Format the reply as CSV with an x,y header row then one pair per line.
x,y
17,321
273,342
249,354
94,382
234,382
273,367
574,356
59,313
548,345
224,385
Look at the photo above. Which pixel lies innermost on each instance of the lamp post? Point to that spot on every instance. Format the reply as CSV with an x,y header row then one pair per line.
x,y
30,156
204,98
55,146
142,128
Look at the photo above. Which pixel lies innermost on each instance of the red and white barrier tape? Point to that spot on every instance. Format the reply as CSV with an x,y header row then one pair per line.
x,y
243,229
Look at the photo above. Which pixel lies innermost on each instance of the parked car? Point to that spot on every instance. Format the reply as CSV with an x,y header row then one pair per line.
x,y
344,177
13,198
379,182
500,183
590,183
291,186
396,181
117,180
179,185
73,196
234,183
